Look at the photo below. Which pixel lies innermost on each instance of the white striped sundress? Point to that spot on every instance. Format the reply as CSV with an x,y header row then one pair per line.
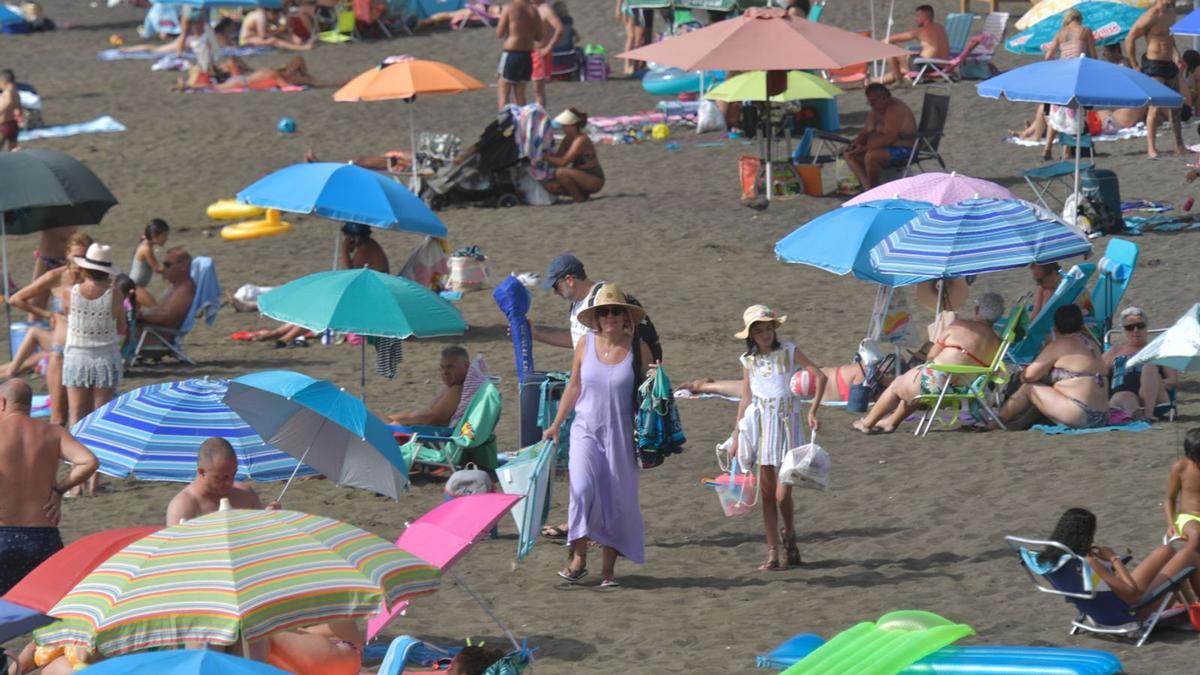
x,y
772,419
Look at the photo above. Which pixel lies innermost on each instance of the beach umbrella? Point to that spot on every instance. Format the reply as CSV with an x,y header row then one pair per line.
x,y
1048,8
46,585
1080,83
514,300
154,432
16,620
840,241
1178,347
977,236
531,474
322,426
404,78
753,87
9,16
364,302
41,189
934,188
1110,23
235,575
183,662
1188,25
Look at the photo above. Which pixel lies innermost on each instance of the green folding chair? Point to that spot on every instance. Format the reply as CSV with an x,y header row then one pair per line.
x,y
473,439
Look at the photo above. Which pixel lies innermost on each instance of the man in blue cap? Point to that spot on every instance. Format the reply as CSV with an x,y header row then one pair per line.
x,y
567,278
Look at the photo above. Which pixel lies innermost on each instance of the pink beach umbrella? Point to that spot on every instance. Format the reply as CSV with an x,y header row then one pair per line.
x,y
938,189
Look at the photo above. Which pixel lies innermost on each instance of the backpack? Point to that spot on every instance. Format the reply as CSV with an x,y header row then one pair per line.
x,y
1099,216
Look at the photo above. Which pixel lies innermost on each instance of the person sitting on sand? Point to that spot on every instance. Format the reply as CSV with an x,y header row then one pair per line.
x,y
453,371
458,16
1141,392
963,342
577,173
882,137
1066,383
261,28
1184,486
935,44
293,74
216,467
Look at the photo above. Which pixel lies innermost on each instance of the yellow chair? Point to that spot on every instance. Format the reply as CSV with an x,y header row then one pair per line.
x,y
344,32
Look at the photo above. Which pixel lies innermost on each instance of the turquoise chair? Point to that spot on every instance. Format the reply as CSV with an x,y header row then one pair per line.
x,y
1073,284
1115,271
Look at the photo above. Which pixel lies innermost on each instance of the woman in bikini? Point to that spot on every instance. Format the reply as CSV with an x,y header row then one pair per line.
x,y
1066,383
1072,41
578,172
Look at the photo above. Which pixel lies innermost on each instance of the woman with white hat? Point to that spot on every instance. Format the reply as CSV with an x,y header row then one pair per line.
x,y
95,324
604,505
578,173
768,418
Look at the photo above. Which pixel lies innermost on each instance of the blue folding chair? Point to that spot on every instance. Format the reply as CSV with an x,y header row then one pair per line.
x,y
1115,271
1046,181
1073,284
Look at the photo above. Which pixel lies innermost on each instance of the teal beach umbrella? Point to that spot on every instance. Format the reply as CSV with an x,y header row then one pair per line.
x,y
1110,23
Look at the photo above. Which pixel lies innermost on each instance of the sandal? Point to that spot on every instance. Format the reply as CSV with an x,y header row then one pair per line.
x,y
772,564
610,583
793,551
554,532
575,576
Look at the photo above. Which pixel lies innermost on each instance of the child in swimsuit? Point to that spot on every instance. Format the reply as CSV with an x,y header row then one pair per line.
x,y
145,264
1184,485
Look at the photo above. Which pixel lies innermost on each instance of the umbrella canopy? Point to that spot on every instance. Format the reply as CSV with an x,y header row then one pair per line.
x,y
183,662
322,426
765,39
40,189
365,302
16,620
9,16
977,236
753,87
840,241
1082,82
444,534
406,78
154,432
1188,25
1110,23
1048,8
233,575
46,585
531,475
934,188
1178,347
344,192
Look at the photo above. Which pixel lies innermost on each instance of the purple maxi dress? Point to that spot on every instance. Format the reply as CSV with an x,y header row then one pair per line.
x,y
604,472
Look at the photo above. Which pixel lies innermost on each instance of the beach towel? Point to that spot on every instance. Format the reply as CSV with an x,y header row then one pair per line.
x,y
208,289
1138,225
118,55
100,125
1145,205
1136,131
684,393
1060,429
242,90
534,138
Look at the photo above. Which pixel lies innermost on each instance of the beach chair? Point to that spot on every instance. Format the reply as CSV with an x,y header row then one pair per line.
x,y
958,32
1047,181
946,69
987,383
935,108
978,64
855,74
1073,284
817,9
1100,611
343,31
156,342
1114,273
473,439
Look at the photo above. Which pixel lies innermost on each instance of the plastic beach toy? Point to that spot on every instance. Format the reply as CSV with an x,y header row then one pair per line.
x,y
253,229
889,645
232,209
286,125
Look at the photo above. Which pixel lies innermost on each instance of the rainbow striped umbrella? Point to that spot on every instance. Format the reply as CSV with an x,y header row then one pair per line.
x,y
976,236
235,575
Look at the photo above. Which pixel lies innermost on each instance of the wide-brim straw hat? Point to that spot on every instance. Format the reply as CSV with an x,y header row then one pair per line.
x,y
99,258
609,295
757,314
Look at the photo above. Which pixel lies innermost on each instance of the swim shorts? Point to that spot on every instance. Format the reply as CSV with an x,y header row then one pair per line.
x,y
899,153
1182,519
1165,70
515,66
541,67
9,130
22,549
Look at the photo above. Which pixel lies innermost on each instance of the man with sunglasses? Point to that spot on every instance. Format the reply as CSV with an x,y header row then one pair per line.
x,y
172,308
1142,391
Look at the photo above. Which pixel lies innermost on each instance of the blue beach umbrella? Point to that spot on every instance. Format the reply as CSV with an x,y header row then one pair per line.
x,y
9,16
183,662
1110,23
154,433
840,241
977,236
1188,25
16,620
322,426
344,192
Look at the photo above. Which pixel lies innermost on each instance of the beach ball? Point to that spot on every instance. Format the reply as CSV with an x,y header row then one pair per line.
x,y
286,125
660,132
802,384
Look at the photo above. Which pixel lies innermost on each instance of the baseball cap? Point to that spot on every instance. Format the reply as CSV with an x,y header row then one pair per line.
x,y
560,267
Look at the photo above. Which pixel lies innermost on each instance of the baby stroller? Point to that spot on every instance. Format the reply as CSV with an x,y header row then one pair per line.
x,y
485,173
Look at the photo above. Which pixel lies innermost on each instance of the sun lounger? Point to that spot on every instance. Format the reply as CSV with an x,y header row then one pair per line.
x,y
1069,289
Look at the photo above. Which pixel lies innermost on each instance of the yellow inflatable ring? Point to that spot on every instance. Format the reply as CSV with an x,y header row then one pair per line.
x,y
232,209
253,229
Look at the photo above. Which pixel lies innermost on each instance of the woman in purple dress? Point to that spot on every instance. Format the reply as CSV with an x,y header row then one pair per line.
x,y
603,467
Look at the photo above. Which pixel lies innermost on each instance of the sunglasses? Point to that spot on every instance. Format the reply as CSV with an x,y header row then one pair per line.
x,y
607,311
1135,326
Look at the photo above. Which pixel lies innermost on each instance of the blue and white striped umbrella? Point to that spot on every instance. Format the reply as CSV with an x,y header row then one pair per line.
x,y
154,432
976,236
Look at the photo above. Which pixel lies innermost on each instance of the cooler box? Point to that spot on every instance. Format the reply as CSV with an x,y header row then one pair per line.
x,y
1104,183
827,112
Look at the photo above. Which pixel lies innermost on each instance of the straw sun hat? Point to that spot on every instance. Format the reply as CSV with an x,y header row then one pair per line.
x,y
755,314
99,258
609,296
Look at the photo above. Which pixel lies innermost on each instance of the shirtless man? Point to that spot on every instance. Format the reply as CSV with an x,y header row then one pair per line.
x,y
216,466
359,250
543,54
453,369
934,44
10,105
522,30
172,308
880,140
1162,62
260,28
30,493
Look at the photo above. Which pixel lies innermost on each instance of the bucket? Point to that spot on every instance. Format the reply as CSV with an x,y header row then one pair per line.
x,y
859,398
466,274
810,176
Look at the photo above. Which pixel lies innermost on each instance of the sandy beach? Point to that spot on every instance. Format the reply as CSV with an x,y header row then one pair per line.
x,y
909,523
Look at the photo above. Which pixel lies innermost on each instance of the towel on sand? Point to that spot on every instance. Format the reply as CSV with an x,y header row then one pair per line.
x,y
1057,429
100,125
118,55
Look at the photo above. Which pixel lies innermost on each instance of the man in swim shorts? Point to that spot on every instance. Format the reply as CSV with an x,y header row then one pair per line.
x,y
543,55
881,139
30,492
1184,485
935,44
10,105
522,30
1162,63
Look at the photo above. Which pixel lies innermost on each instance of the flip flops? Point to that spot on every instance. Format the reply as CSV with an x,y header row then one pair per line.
x,y
554,532
573,577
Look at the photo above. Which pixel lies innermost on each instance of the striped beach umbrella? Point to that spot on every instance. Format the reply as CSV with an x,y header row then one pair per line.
x,y
154,433
235,575
976,236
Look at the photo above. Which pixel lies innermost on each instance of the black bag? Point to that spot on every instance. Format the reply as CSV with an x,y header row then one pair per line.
x,y
1101,217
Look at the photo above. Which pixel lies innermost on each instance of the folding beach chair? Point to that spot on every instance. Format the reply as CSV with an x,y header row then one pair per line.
x,y
978,64
473,439
156,342
958,31
1100,611
1047,181
935,108
946,69
1073,284
1114,273
343,31
817,9
989,381
854,74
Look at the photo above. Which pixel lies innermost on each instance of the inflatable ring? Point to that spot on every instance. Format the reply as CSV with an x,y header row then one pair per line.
x,y
253,229
232,209
670,82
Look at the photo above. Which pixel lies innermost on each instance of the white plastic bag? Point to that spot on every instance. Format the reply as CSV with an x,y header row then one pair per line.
x,y
747,454
806,466
709,118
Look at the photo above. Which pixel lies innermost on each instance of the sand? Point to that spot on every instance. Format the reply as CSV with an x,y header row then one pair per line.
x,y
907,523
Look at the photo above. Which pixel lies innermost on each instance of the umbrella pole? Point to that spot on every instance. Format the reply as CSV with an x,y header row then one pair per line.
x,y
1080,125
937,315
508,633
770,133
412,139
362,369
7,290
297,469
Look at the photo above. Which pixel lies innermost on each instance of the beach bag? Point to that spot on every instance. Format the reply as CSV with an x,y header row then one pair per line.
x,y
709,118
469,480
806,466
658,431
467,273
737,491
